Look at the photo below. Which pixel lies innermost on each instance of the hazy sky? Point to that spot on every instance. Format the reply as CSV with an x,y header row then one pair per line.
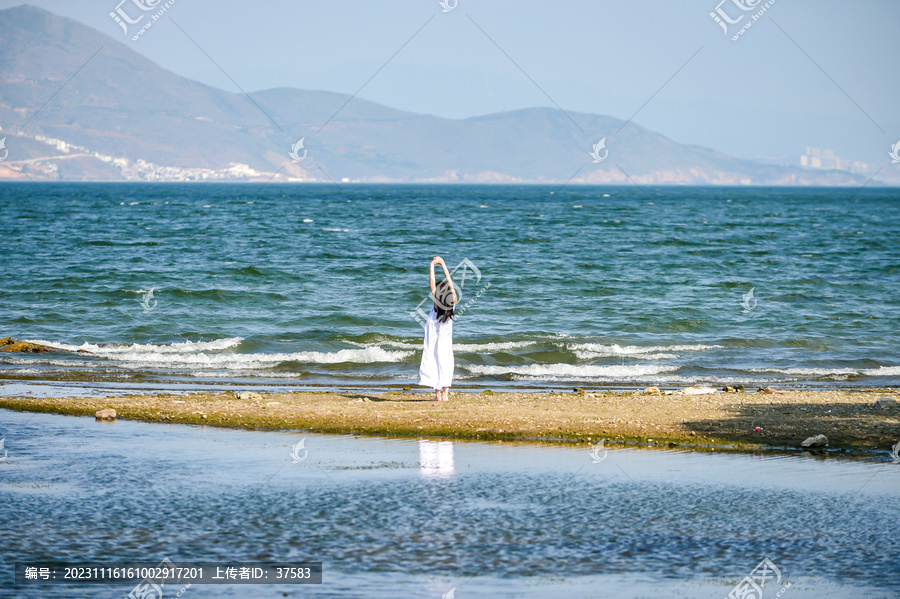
x,y
760,96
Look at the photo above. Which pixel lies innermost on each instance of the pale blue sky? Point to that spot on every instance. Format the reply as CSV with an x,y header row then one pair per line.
x,y
760,96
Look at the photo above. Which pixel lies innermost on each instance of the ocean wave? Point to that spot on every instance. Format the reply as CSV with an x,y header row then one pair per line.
x,y
882,371
186,347
563,371
582,350
826,372
837,374
261,361
705,379
386,343
457,347
45,360
267,374
202,354
599,350
491,346
20,371
591,355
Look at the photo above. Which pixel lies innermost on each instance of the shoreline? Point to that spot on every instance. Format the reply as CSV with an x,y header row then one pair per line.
x,y
851,420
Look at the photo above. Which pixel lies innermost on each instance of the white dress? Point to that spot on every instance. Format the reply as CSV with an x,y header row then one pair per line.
x,y
436,369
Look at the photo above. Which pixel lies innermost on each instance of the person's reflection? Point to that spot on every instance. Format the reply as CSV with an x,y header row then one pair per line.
x,y
436,458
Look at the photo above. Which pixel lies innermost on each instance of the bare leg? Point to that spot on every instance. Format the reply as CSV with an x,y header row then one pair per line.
x,y
437,395
446,393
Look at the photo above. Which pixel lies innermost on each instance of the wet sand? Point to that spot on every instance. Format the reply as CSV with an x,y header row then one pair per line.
x,y
850,420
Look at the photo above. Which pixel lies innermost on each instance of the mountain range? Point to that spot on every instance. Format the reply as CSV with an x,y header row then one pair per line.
x,y
76,104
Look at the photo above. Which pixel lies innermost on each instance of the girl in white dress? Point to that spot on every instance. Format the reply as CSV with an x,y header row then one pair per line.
x,y
436,369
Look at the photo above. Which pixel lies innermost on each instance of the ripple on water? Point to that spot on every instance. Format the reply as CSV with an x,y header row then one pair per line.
x,y
411,512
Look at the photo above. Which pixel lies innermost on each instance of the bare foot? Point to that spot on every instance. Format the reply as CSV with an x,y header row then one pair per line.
x,y
446,393
437,395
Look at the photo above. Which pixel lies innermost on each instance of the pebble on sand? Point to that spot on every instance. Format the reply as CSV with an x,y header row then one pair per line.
x,y
770,390
697,391
817,441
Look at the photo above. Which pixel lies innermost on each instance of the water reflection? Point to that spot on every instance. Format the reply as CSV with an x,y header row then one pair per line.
x,y
436,458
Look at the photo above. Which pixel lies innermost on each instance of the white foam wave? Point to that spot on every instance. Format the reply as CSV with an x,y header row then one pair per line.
x,y
809,371
564,371
204,354
491,347
840,374
598,350
882,371
457,347
44,361
259,361
186,347
589,355
390,344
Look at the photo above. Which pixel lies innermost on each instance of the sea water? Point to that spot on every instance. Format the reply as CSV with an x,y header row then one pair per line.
x,y
323,286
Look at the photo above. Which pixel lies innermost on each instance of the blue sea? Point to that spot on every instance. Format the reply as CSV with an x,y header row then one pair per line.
x,y
308,286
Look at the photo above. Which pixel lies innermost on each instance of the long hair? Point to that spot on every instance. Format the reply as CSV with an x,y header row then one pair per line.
x,y
443,301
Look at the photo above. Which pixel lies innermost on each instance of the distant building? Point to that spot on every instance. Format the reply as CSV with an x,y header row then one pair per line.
x,y
817,158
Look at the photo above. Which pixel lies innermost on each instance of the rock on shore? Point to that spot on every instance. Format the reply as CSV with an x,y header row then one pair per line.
x,y
817,441
8,344
105,414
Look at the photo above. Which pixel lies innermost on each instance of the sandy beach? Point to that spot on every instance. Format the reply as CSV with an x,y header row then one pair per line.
x,y
851,420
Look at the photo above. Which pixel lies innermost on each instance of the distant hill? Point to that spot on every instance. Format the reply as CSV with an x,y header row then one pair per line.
x,y
124,117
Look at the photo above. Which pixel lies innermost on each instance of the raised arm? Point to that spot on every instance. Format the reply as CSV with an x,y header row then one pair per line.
x,y
431,273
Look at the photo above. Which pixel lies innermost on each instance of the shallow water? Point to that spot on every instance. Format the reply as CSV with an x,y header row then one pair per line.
x,y
315,285
417,518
